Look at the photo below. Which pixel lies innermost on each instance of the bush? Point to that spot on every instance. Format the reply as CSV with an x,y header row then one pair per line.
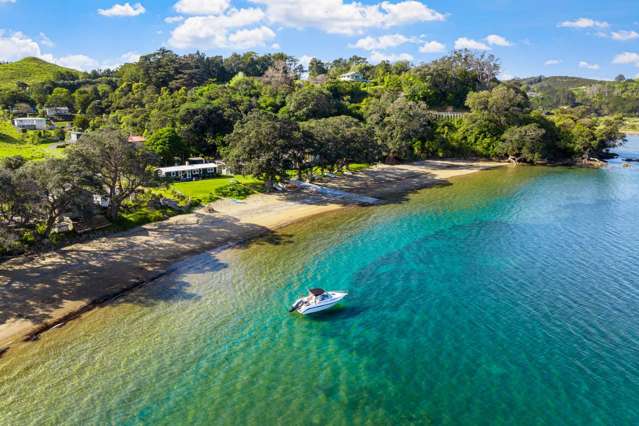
x,y
234,190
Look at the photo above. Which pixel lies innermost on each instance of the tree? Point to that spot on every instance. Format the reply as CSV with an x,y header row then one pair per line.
x,y
58,185
316,67
262,145
310,102
452,77
167,145
503,104
620,78
522,143
117,167
399,124
337,141
60,97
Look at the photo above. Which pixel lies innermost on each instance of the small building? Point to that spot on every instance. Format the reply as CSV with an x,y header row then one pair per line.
x,y
22,109
353,76
30,123
74,136
189,171
58,112
137,140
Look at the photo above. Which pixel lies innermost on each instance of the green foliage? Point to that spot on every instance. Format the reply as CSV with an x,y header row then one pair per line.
x,y
265,146
234,190
167,145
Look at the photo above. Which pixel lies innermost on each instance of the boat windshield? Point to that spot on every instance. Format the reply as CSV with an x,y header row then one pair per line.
x,y
324,296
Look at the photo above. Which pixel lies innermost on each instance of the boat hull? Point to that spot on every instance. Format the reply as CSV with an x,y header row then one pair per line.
x,y
322,306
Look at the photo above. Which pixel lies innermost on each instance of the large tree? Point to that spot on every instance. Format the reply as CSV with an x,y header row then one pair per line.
x,y
168,145
264,145
337,141
118,168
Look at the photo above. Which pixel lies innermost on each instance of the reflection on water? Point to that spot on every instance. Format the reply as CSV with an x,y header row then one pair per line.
x,y
507,297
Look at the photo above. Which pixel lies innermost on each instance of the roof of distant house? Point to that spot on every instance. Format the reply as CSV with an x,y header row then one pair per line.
x,y
185,167
136,139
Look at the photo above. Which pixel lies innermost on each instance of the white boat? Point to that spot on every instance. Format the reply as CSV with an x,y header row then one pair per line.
x,y
317,300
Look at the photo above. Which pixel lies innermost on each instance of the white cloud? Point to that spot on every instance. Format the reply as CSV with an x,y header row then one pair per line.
x,y
244,39
587,65
275,46
202,7
46,41
336,16
584,23
77,62
627,58
623,35
467,43
173,19
552,62
382,42
7,1
16,46
213,31
305,60
123,10
497,40
377,57
432,47
504,76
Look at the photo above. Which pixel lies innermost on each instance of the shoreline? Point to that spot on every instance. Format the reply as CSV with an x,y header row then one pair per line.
x,y
39,293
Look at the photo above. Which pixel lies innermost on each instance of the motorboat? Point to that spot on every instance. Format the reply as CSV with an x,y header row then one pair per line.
x,y
317,300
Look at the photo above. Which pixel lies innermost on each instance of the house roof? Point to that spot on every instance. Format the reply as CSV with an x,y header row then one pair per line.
x,y
185,168
135,139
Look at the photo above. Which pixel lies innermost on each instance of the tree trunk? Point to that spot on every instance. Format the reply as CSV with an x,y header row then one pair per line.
x,y
268,185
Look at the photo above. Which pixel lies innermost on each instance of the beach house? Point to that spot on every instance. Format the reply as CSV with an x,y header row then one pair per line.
x,y
30,123
189,171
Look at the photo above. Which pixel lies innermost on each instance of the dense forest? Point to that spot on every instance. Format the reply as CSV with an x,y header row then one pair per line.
x,y
268,116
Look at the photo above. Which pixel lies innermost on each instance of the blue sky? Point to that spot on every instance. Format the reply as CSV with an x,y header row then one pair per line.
x,y
587,38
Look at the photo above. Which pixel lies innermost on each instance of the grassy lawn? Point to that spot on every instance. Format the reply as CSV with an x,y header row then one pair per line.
x,y
202,189
11,145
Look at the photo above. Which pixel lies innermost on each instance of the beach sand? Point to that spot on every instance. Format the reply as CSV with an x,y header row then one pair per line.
x,y
38,292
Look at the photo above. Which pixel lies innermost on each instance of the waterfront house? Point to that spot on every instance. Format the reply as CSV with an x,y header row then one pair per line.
x,y
189,171
353,76
30,123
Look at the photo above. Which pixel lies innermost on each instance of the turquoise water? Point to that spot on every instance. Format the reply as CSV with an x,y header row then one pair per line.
x,y
506,297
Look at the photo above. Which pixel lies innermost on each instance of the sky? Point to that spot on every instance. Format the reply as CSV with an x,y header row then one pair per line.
x,y
588,38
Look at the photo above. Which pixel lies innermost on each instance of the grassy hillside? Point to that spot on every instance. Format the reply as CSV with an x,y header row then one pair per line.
x,y
29,70
541,84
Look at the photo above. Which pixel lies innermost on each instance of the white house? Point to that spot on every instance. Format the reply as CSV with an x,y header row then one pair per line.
x,y
74,136
189,171
353,76
30,123
57,111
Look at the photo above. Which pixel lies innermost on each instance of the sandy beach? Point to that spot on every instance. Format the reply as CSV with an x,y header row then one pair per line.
x,y
39,292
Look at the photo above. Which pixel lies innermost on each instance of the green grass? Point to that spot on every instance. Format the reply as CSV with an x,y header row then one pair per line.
x,y
11,145
30,71
202,189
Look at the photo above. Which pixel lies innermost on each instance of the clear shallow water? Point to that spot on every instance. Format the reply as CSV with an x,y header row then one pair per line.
x,y
509,296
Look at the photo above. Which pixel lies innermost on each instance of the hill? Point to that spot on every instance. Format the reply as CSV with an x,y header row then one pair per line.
x,y
542,84
30,70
